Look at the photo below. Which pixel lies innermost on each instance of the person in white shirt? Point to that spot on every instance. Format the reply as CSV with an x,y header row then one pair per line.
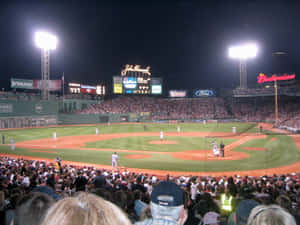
x,y
54,136
114,160
97,131
194,190
178,128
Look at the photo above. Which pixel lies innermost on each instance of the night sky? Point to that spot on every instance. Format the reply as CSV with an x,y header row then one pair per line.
x,y
185,42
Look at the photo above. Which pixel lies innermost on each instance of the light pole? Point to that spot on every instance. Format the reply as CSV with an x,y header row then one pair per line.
x,y
243,52
45,42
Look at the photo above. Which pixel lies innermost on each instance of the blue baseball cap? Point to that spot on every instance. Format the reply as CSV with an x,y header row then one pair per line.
x,y
167,193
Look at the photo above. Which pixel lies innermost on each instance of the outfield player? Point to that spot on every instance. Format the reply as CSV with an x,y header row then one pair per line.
x,y
97,131
114,160
54,136
178,129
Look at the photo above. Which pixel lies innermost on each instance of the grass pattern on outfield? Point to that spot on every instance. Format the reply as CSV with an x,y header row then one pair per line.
x,y
39,133
282,151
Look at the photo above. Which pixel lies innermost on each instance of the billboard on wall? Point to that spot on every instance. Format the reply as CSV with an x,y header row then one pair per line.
x,y
53,85
21,83
117,80
203,93
130,82
156,85
76,88
177,93
156,89
118,88
262,78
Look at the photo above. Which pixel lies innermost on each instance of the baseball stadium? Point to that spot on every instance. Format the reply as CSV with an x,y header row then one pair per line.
x,y
149,113
174,135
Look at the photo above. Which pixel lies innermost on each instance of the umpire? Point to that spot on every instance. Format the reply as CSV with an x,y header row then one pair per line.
x,y
222,149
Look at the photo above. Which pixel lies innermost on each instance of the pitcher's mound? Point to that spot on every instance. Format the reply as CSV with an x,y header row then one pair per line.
x,y
163,142
137,156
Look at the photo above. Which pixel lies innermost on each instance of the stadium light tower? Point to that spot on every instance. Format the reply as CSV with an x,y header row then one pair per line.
x,y
45,42
243,52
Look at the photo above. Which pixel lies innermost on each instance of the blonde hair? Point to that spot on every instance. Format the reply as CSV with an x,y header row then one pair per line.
x,y
271,214
85,209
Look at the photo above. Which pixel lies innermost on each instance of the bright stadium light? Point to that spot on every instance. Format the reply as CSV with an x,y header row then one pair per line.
x,y
243,52
45,40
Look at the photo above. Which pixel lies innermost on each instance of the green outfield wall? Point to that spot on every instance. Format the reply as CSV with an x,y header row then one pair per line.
x,y
98,118
72,105
10,108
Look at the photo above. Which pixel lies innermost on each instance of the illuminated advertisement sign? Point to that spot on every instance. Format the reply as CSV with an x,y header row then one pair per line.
x,y
86,89
262,78
177,94
128,91
130,82
142,80
51,85
204,93
100,90
118,88
156,89
135,68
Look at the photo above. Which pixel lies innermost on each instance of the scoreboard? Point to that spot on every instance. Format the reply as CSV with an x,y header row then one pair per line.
x,y
136,85
75,88
136,80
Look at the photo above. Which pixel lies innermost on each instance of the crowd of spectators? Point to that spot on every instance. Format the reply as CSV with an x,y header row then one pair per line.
x,y
163,108
245,109
28,188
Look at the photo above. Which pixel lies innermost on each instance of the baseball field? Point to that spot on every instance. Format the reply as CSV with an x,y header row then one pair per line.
x,y
140,149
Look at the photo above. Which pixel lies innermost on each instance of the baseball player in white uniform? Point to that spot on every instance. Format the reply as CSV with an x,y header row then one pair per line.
x,y
161,135
54,136
114,160
215,149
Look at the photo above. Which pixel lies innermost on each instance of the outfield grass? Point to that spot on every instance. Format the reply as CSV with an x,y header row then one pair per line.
x,y
282,151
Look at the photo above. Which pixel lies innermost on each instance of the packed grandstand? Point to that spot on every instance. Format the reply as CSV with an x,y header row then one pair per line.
x,y
245,109
131,191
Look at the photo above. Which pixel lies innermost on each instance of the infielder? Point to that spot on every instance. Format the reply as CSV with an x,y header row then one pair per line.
x,y
215,149
161,135
12,144
114,160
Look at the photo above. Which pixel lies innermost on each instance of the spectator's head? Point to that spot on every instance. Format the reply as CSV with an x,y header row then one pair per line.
x,y
167,199
285,202
32,208
243,211
271,214
85,209
211,218
246,192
